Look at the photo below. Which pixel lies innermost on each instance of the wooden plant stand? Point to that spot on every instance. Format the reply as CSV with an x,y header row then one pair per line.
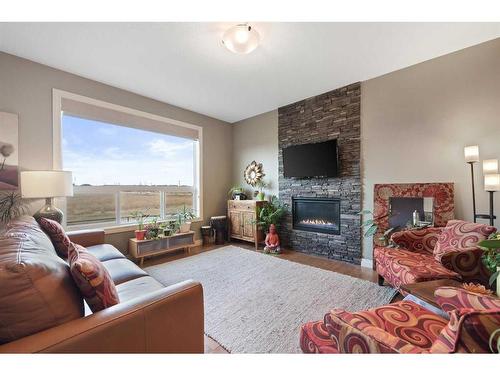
x,y
140,249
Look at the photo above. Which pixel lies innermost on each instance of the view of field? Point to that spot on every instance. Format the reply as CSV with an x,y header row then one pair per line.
x,y
96,204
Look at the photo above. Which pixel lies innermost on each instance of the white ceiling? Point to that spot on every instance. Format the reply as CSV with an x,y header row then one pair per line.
x,y
185,64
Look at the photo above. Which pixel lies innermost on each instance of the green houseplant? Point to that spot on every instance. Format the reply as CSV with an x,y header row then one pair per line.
x,y
491,258
184,218
271,213
260,185
12,205
371,225
237,191
140,232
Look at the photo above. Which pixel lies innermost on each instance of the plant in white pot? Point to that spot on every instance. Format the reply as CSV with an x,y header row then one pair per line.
x,y
184,218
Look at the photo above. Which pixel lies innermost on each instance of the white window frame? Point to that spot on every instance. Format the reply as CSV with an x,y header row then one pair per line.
x,y
57,98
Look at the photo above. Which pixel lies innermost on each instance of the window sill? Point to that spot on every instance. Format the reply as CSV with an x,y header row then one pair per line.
x,y
113,229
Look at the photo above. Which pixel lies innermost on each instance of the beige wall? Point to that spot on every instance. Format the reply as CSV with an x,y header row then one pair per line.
x,y
26,89
414,125
256,138
416,121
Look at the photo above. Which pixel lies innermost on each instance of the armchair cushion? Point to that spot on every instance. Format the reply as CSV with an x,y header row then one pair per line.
x,y
460,235
402,327
400,266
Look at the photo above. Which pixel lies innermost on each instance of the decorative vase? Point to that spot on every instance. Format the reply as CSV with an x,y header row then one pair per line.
x,y
261,196
140,234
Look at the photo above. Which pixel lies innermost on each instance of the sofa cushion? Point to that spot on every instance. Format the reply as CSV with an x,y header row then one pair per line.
x,y
36,288
450,298
123,270
460,235
57,235
92,279
137,287
400,266
105,252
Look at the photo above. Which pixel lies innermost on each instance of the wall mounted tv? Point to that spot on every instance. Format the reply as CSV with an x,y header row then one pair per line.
x,y
311,160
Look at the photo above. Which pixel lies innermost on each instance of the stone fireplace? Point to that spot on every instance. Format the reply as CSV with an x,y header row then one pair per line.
x,y
323,211
313,214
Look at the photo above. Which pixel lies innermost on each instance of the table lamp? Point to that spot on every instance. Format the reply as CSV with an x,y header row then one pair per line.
x,y
48,185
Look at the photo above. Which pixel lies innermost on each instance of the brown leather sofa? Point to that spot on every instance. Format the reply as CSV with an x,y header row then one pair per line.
x,y
150,318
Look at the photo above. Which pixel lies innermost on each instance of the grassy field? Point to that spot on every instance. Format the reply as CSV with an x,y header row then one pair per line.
x,y
91,204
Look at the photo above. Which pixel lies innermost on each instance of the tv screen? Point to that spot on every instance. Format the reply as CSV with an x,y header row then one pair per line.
x,y
311,160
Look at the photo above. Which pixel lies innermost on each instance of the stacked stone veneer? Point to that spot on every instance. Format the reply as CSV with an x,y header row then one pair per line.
x,y
332,115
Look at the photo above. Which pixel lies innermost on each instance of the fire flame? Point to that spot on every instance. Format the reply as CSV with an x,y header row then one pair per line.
x,y
316,222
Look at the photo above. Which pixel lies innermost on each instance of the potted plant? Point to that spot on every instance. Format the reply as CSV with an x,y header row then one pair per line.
x,y
259,193
12,205
184,218
140,232
237,192
152,230
271,213
491,258
371,226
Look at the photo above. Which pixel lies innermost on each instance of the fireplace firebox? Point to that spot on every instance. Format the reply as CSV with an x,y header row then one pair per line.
x,y
320,214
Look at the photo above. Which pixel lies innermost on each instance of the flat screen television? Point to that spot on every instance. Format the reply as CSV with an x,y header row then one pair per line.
x,y
311,160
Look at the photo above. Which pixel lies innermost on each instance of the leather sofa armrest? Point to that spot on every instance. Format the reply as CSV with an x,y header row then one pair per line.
x,y
87,238
169,320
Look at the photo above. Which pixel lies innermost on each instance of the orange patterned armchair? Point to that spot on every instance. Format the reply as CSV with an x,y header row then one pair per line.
x,y
449,252
405,327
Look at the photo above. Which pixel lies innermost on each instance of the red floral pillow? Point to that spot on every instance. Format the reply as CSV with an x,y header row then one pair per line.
x,y
57,235
92,279
459,235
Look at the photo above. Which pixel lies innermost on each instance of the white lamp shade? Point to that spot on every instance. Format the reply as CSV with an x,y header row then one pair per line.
x,y
490,166
492,182
241,39
471,154
46,184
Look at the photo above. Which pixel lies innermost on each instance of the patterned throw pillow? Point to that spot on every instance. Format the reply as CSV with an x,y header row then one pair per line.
x,y
470,331
92,279
57,235
450,298
459,235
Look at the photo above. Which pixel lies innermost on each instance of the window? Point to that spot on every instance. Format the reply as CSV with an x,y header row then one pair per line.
x,y
118,170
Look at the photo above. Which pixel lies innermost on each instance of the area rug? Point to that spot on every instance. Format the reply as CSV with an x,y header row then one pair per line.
x,y
256,303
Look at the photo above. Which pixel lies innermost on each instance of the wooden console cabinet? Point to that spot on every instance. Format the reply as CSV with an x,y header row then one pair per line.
x,y
144,248
242,216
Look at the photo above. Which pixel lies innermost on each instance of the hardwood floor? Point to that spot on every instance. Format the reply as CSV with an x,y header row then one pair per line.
x,y
212,346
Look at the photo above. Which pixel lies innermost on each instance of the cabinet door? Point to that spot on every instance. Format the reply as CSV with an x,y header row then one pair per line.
x,y
248,224
235,222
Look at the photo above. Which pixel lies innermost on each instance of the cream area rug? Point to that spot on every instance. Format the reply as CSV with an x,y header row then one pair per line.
x,y
256,303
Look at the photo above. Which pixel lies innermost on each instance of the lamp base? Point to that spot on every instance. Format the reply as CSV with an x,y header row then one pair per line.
x,y
49,211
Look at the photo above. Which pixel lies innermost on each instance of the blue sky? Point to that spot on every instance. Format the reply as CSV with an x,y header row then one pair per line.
x,y
105,154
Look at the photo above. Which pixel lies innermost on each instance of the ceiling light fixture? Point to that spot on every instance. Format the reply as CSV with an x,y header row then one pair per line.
x,y
241,39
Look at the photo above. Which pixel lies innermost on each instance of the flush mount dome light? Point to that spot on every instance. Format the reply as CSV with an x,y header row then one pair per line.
x,y
241,39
